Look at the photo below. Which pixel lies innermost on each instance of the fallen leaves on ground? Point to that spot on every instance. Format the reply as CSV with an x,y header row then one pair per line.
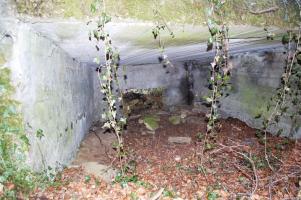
x,y
221,172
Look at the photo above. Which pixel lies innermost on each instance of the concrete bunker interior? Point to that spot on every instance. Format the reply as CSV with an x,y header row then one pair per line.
x,y
167,152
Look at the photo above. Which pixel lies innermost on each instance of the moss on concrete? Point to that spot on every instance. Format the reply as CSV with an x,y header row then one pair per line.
x,y
2,59
177,11
254,98
181,38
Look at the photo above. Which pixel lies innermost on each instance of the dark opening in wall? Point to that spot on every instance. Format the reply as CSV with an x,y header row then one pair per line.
x,y
136,101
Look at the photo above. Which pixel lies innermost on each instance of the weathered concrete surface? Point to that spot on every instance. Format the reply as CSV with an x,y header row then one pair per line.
x,y
173,79
135,42
255,77
256,73
7,8
59,92
56,94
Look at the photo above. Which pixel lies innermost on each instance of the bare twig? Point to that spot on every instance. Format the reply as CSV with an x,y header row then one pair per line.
x,y
255,180
157,195
254,171
268,10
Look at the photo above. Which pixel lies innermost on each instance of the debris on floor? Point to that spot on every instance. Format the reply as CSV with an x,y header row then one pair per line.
x,y
175,163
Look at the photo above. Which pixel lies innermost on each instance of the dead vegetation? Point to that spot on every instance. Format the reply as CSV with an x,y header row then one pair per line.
x,y
233,167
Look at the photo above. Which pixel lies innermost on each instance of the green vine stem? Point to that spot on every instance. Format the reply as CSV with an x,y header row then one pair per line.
x,y
109,79
289,93
220,72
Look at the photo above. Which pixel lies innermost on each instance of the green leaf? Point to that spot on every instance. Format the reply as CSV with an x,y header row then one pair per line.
x,y
96,60
25,140
87,179
209,99
285,39
212,196
213,30
93,8
39,134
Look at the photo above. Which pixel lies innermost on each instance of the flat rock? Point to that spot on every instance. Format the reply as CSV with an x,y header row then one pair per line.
x,y
104,172
175,120
179,140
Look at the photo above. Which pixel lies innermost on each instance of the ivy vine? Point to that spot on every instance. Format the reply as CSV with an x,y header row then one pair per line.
x,y
161,26
286,103
107,74
17,180
219,70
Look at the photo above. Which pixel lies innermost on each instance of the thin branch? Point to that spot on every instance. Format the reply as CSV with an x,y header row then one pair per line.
x,y
256,180
268,10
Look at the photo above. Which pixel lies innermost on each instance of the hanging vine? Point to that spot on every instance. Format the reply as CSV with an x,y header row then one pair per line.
x,y
108,79
287,100
161,26
219,70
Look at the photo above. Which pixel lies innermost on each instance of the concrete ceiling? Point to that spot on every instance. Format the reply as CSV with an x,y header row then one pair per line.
x,y
136,45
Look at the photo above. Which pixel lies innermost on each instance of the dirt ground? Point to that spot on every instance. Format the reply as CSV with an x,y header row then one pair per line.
x,y
231,165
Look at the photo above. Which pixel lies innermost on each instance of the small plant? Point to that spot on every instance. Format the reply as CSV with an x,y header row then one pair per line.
x,y
16,178
168,193
134,196
124,179
212,195
87,179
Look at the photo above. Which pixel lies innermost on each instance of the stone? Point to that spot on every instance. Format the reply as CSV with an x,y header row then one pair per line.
x,y
151,122
179,140
184,114
162,112
177,158
104,172
175,120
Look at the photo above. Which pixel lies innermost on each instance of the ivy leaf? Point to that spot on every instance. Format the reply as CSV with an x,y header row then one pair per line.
x,y
87,179
210,44
213,30
155,33
209,99
106,125
39,134
105,18
25,140
96,60
258,116
93,8
212,196
285,39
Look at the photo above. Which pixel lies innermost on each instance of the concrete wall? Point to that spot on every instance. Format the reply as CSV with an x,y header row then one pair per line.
x,y
255,76
56,92
172,79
